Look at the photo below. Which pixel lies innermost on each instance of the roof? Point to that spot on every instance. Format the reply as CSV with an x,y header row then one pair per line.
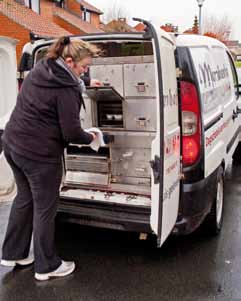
x,y
140,27
197,40
32,21
119,25
104,27
76,21
90,7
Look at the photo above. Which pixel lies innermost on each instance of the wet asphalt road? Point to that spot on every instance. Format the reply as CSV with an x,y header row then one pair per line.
x,y
117,266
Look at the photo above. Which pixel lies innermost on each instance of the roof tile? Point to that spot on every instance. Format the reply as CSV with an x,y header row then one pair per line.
x,y
75,21
31,20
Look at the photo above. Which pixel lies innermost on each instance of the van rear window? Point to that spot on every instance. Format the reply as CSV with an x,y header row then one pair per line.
x,y
114,49
120,49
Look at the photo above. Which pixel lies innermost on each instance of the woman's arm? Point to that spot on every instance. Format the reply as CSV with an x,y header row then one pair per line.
x,y
68,107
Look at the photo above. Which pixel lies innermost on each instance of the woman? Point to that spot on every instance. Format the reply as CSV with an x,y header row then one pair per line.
x,y
44,121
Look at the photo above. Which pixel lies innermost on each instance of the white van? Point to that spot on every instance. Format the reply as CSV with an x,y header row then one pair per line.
x,y
170,103
209,100
8,95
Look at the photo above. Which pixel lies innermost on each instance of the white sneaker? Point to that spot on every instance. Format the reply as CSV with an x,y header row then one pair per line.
x,y
66,268
13,263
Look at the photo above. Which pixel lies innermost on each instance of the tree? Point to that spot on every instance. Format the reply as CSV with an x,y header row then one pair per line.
x,y
195,28
218,27
115,12
169,27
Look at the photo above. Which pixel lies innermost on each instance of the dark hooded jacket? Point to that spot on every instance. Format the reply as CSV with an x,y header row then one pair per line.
x,y
46,116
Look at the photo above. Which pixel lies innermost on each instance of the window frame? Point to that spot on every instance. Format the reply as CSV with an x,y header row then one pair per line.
x,y
86,15
234,74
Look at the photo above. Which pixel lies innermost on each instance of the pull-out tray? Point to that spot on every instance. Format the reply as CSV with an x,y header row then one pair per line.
x,y
103,93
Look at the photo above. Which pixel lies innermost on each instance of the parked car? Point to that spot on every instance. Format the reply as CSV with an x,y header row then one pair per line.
x,y
171,103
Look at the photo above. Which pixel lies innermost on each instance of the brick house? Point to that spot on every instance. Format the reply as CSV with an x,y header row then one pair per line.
x,y
55,19
140,27
119,25
169,27
75,16
88,12
17,21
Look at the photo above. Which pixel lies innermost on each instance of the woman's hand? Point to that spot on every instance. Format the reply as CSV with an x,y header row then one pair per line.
x,y
93,135
95,83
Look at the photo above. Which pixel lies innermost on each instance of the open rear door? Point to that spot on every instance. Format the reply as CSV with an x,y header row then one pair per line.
x,y
166,146
8,95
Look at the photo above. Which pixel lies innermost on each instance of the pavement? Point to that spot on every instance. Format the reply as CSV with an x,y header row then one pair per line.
x,y
114,265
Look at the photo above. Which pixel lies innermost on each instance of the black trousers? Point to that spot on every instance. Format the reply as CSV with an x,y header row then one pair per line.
x,y
33,211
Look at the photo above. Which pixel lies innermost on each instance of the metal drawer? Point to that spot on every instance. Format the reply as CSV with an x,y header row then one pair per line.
x,y
87,164
139,80
140,114
110,75
130,162
132,139
86,178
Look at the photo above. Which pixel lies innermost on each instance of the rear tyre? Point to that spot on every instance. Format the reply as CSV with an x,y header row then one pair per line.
x,y
214,219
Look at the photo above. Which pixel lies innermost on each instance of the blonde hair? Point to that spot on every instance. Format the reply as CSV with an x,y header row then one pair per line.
x,y
77,49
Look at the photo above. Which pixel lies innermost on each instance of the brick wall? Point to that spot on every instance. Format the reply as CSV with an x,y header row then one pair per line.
x,y
95,20
74,6
13,30
67,26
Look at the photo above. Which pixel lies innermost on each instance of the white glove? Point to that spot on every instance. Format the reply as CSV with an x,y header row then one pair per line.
x,y
98,141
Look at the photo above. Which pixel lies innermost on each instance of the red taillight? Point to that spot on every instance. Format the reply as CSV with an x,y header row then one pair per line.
x,y
191,126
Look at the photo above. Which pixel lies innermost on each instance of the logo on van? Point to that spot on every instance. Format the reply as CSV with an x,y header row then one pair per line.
x,y
171,145
208,77
217,132
170,99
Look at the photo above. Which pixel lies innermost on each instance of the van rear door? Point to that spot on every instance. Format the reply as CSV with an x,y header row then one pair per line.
x,y
166,146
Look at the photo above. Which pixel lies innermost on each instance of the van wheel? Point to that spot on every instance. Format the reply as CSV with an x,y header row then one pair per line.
x,y
214,219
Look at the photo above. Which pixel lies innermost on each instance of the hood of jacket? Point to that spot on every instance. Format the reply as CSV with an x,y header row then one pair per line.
x,y
47,73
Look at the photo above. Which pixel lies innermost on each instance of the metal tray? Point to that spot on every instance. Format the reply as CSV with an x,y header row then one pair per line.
x,y
103,93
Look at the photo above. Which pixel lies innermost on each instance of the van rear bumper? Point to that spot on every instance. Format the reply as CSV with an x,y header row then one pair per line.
x,y
105,215
195,203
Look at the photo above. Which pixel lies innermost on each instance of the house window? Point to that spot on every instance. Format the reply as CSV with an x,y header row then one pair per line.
x,y
85,15
59,3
